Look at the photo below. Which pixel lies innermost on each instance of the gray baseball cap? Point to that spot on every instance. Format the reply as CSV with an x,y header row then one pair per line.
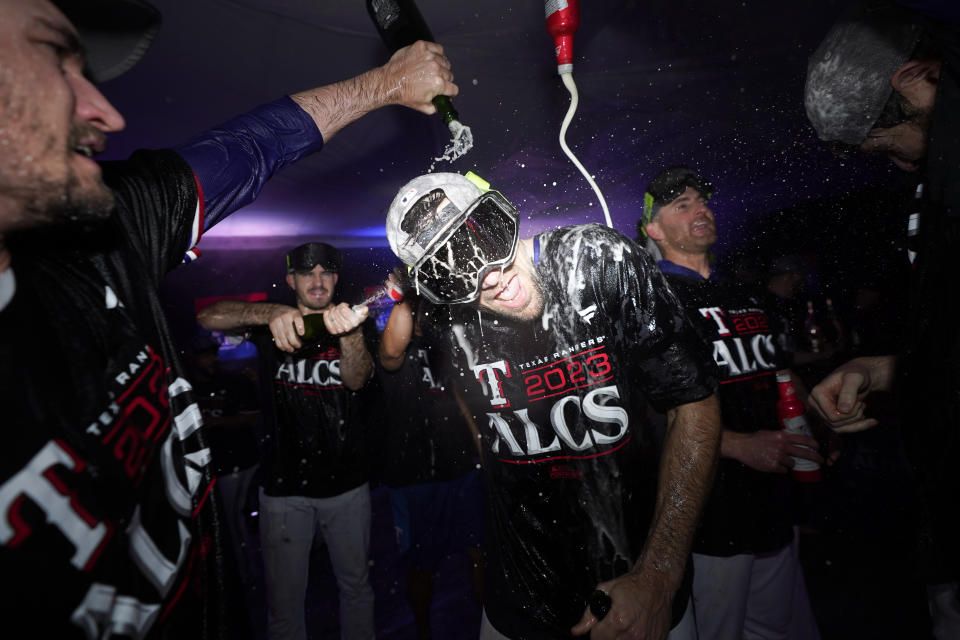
x,y
115,33
848,76
411,232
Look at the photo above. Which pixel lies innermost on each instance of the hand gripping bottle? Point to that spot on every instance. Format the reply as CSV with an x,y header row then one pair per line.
x,y
400,24
793,419
314,328
563,18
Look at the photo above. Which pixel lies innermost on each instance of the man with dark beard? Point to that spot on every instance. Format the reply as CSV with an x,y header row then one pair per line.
x,y
108,521
314,476
560,341
886,79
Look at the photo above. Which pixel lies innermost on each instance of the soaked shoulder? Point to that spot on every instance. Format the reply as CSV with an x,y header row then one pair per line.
x,y
594,240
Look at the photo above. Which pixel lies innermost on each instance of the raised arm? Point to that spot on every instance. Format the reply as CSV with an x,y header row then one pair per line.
x,y
234,160
641,599
412,77
396,336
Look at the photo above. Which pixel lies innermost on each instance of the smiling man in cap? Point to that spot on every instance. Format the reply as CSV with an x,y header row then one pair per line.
x,y
109,524
747,581
559,341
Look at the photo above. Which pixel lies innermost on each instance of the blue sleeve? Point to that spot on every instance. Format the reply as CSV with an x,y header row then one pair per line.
x,y
234,160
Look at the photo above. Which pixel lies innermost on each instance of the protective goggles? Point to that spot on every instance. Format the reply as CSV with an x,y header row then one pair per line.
x,y
486,239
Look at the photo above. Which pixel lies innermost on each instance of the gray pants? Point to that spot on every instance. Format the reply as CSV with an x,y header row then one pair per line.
x,y
753,597
287,529
686,629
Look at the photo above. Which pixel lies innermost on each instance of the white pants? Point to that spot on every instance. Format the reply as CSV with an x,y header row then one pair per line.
x,y
686,629
287,529
753,597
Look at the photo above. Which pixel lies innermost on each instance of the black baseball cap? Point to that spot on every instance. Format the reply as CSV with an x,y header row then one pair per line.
x,y
307,256
115,33
667,186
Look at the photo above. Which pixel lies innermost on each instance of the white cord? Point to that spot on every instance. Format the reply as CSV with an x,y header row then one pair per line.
x,y
567,78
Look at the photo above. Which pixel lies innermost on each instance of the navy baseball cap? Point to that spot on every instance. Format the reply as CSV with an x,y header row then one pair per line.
x,y
115,33
307,256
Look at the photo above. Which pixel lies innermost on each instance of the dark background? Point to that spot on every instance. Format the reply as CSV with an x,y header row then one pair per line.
x,y
715,85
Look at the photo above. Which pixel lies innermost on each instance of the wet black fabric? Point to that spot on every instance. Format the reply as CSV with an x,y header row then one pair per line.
x,y
785,316
570,461
749,510
316,428
428,439
929,373
227,396
104,441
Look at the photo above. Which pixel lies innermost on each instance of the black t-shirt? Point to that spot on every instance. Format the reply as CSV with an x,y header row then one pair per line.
x,y
570,461
228,395
929,368
428,439
748,510
105,491
315,426
785,318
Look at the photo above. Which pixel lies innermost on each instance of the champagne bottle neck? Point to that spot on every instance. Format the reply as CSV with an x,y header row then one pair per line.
x,y
445,108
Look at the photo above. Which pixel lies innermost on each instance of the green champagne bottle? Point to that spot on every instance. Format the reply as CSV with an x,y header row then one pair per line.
x,y
314,329
400,24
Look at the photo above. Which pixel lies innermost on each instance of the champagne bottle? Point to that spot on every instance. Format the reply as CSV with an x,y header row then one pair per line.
x,y
793,419
314,328
400,24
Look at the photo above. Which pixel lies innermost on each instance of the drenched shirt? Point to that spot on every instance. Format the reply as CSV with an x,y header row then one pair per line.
x,y
315,426
929,366
748,510
106,487
570,462
106,482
